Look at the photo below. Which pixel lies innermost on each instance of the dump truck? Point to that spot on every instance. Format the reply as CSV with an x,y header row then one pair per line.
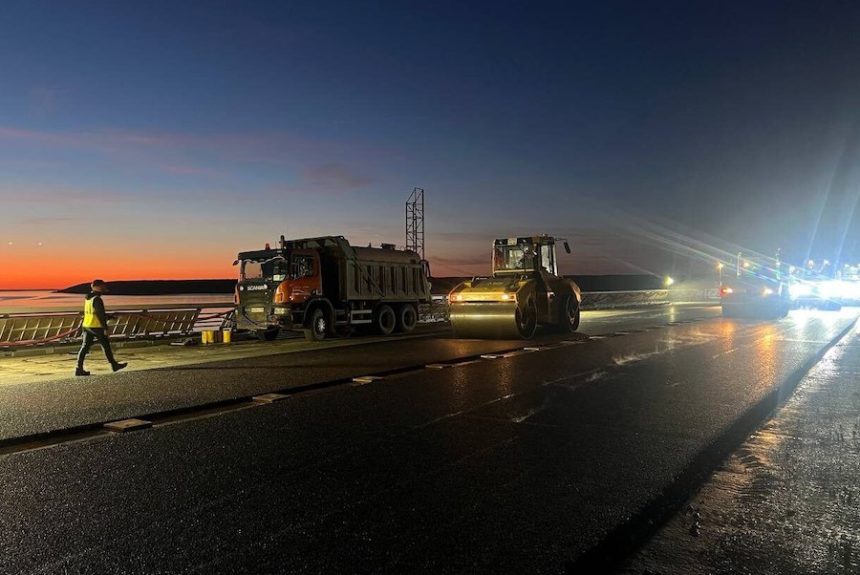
x,y
758,288
524,292
326,287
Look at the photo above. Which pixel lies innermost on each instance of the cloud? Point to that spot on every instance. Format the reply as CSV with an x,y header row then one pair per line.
x,y
61,195
335,176
49,220
186,170
275,147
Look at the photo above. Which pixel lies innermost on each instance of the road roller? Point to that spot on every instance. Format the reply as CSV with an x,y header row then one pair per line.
x,y
524,292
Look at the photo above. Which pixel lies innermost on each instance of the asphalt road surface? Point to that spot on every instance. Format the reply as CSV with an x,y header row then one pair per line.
x,y
512,464
788,499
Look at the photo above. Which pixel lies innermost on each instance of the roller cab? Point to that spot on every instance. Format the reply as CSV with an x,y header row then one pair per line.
x,y
524,292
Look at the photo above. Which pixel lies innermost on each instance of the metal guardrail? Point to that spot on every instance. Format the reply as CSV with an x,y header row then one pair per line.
x,y
613,299
18,328
29,329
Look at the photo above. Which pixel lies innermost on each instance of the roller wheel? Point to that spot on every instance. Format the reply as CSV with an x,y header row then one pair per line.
x,y
384,320
407,318
318,325
526,320
569,320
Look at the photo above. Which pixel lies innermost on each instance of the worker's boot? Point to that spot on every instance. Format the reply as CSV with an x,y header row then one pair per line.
x,y
81,371
118,366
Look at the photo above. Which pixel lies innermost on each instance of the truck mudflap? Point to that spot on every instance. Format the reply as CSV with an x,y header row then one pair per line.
x,y
489,320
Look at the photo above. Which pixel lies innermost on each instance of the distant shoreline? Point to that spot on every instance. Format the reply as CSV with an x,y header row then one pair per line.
x,y
160,287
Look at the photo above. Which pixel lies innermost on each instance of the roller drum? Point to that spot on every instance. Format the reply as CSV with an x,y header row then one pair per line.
x,y
489,321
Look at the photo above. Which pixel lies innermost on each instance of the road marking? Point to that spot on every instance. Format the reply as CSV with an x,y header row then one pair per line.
x,y
269,397
491,355
364,379
532,348
124,425
514,353
438,365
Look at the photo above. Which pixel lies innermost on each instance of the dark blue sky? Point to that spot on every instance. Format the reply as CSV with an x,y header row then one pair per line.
x,y
728,124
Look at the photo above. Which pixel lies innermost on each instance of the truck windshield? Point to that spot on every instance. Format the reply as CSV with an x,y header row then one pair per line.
x,y
270,269
514,258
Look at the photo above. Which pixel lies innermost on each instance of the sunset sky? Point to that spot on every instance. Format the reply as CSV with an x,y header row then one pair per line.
x,y
156,139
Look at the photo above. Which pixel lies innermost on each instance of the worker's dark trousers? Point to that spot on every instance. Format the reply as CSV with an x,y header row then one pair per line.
x,y
92,334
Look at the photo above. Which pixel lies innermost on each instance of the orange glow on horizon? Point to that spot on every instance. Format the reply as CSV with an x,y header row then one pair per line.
x,y
23,271
46,270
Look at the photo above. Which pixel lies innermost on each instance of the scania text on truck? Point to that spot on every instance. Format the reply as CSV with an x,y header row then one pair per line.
x,y
325,287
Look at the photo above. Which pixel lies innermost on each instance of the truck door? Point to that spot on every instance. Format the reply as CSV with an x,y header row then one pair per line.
x,y
305,278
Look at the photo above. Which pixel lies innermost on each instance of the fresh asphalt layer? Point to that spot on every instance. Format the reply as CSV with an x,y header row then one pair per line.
x,y
510,465
59,402
788,499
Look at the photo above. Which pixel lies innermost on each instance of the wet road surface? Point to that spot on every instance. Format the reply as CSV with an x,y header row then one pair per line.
x,y
786,501
515,464
55,400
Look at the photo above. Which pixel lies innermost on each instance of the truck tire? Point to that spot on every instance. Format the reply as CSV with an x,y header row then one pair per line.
x,y
384,320
407,318
268,334
318,325
569,315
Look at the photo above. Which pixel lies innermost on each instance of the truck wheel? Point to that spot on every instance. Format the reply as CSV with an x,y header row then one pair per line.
x,y
407,318
569,320
318,325
268,334
384,320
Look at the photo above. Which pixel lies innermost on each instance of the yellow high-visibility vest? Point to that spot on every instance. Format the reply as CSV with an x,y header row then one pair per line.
x,y
90,317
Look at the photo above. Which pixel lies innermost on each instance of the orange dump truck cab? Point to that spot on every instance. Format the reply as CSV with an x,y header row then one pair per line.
x,y
325,287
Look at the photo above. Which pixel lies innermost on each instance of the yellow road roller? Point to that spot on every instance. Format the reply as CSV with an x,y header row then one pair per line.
x,y
525,291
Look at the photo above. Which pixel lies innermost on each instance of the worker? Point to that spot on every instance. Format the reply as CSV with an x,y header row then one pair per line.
x,y
527,261
95,328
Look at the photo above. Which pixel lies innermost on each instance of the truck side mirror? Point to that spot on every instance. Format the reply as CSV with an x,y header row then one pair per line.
x,y
566,247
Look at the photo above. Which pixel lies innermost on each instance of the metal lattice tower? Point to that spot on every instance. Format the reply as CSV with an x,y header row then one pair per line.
x,y
415,222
